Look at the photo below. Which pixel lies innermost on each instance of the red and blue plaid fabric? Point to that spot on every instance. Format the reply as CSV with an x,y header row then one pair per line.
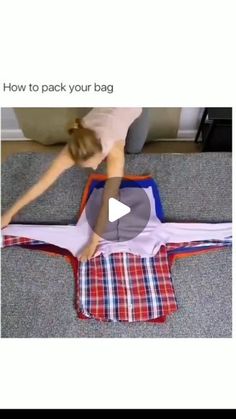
x,y
126,287
18,241
120,287
123,286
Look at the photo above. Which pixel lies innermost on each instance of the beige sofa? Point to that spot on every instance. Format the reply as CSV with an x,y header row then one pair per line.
x,y
48,125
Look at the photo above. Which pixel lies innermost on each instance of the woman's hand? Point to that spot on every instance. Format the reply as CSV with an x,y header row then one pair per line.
x,y
6,219
88,251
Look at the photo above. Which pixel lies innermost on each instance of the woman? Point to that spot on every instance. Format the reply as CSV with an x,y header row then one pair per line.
x,y
101,134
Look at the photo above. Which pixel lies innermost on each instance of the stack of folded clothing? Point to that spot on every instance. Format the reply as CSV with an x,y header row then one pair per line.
x,y
126,280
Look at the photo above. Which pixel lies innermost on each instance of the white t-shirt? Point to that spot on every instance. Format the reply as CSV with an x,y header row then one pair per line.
x,y
110,124
145,244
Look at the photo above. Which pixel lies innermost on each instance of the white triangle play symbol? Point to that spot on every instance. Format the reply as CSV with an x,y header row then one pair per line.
x,y
116,210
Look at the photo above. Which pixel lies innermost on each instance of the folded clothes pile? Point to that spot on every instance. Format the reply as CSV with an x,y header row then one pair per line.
x,y
126,280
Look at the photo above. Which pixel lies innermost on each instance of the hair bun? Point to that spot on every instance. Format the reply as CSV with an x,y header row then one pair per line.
x,y
74,126
78,123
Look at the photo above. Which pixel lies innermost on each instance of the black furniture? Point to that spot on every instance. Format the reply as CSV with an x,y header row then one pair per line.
x,y
215,129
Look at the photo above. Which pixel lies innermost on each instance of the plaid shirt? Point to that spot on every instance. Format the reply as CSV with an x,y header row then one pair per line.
x,y
123,286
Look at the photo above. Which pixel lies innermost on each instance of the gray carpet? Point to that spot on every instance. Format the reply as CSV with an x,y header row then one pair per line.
x,y
38,290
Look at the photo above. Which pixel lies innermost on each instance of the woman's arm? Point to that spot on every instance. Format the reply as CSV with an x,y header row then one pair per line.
x,y
62,162
115,172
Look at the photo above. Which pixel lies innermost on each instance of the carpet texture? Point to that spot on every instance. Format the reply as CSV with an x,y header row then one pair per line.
x,y
38,290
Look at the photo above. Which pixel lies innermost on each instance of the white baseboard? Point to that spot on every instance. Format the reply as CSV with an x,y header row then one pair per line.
x,y
186,134
13,135
176,140
17,135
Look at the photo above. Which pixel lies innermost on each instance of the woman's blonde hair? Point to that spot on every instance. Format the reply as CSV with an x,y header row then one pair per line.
x,y
83,143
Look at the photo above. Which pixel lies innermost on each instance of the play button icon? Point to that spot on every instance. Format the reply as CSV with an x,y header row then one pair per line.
x,y
121,215
117,210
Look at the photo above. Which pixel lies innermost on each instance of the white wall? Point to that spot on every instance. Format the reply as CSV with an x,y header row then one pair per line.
x,y
9,125
189,122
